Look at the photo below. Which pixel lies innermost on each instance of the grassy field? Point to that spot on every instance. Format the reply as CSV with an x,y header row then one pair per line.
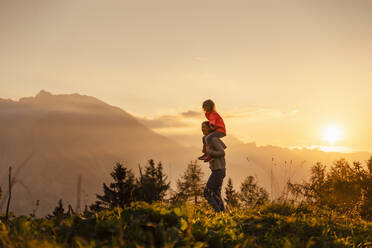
x,y
164,225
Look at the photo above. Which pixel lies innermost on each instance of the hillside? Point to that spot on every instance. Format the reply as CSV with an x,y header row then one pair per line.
x,y
165,225
52,139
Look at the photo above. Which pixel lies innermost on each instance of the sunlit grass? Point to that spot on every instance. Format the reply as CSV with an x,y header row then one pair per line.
x,y
166,225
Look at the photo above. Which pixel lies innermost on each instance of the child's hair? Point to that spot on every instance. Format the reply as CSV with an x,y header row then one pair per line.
x,y
208,105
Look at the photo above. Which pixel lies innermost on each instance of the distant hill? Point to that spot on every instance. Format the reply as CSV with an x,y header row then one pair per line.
x,y
285,164
52,139
245,159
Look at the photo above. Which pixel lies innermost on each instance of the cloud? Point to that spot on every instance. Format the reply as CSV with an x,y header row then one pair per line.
x,y
192,114
260,114
189,118
184,119
164,121
201,59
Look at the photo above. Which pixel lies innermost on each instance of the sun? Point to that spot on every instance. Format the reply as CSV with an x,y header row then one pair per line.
x,y
332,134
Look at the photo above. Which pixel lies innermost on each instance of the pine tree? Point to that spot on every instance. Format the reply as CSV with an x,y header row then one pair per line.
x,y
190,185
152,185
366,203
251,194
58,212
86,212
119,193
231,196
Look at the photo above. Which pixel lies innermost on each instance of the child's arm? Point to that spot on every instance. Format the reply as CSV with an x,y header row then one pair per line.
x,y
213,117
212,126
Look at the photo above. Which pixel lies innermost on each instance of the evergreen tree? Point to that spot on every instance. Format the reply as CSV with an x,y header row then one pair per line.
x,y
59,212
366,204
251,194
152,185
119,193
190,185
86,212
231,196
343,187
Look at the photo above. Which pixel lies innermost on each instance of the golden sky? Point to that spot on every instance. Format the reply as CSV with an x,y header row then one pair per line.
x,y
280,72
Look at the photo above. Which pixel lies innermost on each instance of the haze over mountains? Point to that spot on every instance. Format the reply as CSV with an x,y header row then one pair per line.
x,y
69,135
50,140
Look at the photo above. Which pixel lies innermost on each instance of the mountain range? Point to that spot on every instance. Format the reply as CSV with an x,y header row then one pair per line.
x,y
52,140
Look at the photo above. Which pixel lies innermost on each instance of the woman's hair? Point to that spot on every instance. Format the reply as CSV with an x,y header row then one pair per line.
x,y
209,105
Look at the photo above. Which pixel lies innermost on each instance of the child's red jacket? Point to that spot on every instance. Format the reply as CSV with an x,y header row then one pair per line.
x,y
216,120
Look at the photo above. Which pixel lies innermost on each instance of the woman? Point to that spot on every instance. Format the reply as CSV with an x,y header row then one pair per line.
x,y
212,191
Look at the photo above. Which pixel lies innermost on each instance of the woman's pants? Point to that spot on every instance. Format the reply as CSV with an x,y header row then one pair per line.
x,y
212,191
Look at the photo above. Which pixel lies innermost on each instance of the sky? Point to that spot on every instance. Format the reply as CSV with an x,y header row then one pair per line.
x,y
281,72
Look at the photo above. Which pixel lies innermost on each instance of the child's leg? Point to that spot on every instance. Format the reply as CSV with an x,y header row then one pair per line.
x,y
204,143
204,156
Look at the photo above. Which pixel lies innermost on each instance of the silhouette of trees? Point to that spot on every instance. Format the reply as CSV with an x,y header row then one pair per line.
x,y
366,204
152,185
314,192
119,193
59,211
338,188
231,196
191,185
345,187
251,194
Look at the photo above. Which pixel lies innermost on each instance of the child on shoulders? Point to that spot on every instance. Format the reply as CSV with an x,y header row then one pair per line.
x,y
216,123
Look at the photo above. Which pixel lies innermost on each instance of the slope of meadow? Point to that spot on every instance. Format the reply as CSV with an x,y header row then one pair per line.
x,y
164,225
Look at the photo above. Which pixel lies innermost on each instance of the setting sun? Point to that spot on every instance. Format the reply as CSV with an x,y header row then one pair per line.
x,y
332,134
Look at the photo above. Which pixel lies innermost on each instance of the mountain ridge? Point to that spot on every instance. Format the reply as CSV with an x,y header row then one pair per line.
x,y
71,135
51,140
